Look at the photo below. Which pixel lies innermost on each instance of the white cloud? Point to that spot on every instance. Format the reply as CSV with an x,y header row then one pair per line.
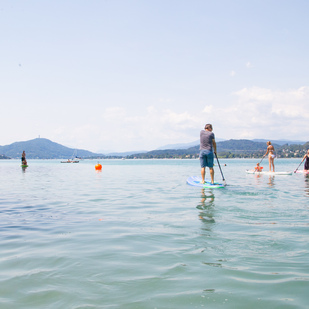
x,y
232,73
259,112
254,94
165,100
249,65
113,113
120,129
208,109
291,103
248,113
178,120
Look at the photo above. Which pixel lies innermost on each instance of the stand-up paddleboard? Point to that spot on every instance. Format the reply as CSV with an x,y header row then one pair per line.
x,y
302,171
196,182
268,173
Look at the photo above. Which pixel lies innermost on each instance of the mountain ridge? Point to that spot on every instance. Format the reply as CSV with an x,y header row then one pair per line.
x,y
41,148
197,142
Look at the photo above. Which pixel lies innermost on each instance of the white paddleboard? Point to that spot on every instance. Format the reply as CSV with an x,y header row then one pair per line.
x,y
302,171
268,173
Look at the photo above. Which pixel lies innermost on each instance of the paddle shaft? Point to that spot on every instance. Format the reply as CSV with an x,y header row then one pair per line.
x,y
219,167
298,166
262,159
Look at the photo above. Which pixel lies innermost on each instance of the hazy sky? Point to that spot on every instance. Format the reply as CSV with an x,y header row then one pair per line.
x,y
120,75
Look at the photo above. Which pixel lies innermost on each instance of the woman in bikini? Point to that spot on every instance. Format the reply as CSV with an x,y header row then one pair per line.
x,y
271,155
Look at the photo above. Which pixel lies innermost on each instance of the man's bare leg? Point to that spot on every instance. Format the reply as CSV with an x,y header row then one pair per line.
x,y
203,171
212,173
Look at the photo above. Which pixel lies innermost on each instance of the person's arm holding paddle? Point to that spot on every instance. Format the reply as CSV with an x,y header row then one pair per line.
x,y
266,153
214,144
301,162
264,156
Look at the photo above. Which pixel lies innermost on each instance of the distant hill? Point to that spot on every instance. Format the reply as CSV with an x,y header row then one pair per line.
x,y
280,142
124,154
197,142
3,157
42,148
231,149
185,145
179,146
232,145
242,145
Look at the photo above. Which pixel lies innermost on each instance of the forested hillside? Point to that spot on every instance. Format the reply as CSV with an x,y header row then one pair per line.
x,y
42,148
230,149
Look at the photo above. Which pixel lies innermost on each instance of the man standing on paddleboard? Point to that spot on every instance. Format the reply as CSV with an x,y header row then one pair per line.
x,y
207,147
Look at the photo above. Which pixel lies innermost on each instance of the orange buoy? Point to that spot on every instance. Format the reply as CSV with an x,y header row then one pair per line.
x,y
98,167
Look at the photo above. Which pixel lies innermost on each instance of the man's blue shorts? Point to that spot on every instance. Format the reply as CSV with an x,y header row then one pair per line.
x,y
206,158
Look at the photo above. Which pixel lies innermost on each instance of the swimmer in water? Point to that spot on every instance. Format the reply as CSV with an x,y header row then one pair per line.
x,y
271,155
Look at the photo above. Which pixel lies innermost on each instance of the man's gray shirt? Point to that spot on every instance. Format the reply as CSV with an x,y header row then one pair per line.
x,y
206,138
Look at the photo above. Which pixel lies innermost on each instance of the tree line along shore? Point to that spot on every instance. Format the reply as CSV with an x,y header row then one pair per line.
x,y
284,151
45,149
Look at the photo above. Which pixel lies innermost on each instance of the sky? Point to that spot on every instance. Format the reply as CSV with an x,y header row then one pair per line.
x,y
126,75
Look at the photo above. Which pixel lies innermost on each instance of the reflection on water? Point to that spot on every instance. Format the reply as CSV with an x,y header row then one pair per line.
x,y
208,198
206,206
150,243
306,184
258,178
271,181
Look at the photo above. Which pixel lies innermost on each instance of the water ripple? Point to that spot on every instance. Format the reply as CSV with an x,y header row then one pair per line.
x,y
73,238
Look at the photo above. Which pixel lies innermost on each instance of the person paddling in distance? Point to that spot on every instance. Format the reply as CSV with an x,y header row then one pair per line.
x,y
306,157
208,146
271,155
23,158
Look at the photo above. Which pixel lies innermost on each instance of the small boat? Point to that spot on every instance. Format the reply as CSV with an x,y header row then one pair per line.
x,y
74,158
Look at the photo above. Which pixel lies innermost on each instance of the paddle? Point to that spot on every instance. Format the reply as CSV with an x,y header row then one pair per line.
x,y
262,160
260,163
299,166
220,168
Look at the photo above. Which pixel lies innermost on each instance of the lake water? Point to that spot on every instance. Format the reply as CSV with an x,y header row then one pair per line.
x,y
135,235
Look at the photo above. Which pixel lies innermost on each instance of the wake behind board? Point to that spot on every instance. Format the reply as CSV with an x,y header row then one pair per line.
x,y
268,173
196,182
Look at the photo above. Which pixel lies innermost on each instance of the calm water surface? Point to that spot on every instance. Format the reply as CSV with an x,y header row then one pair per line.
x,y
135,235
